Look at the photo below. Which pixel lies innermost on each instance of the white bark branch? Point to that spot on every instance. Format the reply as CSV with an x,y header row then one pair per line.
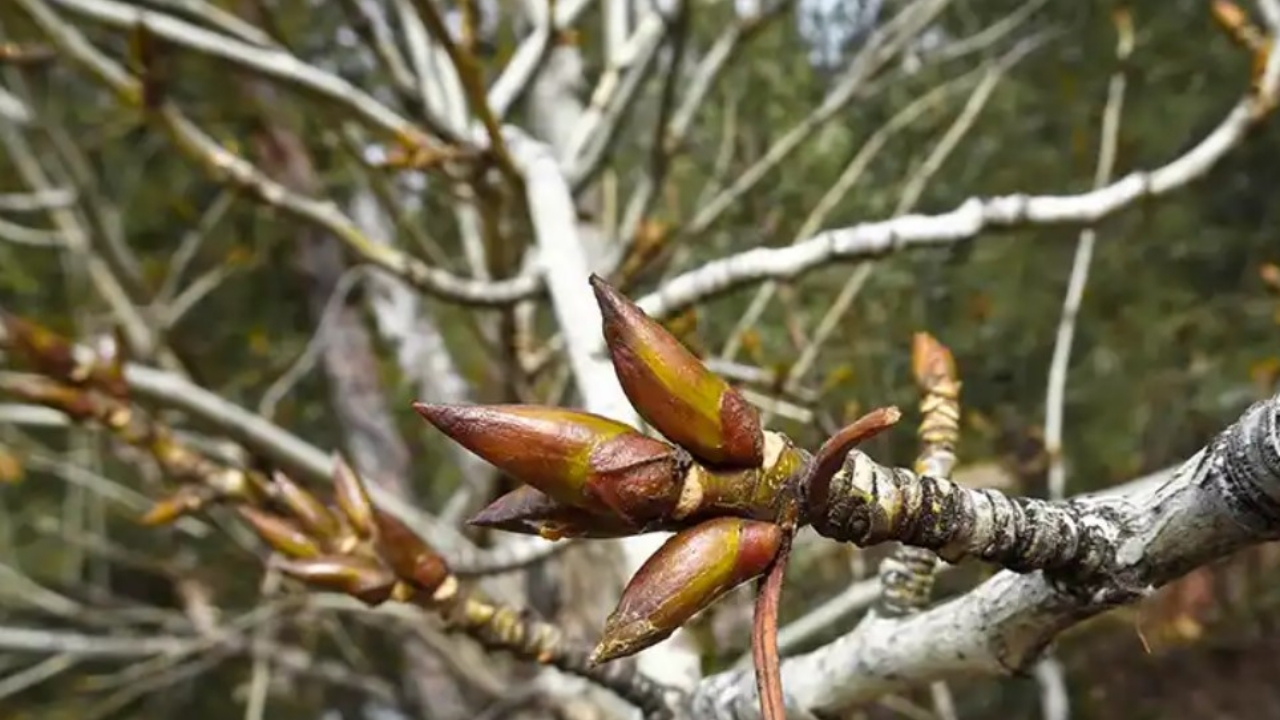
x,y
1225,498
973,217
674,661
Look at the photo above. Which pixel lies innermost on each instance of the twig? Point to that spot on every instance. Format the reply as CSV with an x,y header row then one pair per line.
x,y
266,61
858,165
260,677
192,242
672,134
306,360
1055,701
38,201
618,89
14,683
1049,672
469,74
527,62
230,167
886,42
910,196
970,219
1055,396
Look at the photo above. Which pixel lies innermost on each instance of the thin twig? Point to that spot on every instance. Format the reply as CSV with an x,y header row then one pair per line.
x,y
1055,397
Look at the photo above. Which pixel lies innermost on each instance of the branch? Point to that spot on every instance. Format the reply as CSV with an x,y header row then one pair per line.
x,y
469,74
1223,499
354,548
528,60
1050,672
879,49
550,201
265,61
1055,396
85,646
227,166
970,219
671,135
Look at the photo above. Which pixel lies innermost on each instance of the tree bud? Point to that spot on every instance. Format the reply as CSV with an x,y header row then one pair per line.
x,y
673,391
411,559
352,498
358,577
931,361
687,574
310,513
576,458
283,536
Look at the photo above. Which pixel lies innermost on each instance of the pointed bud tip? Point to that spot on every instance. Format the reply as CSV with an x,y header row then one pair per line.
x,y
426,410
514,509
692,570
161,514
282,535
352,498
407,554
556,450
622,640
445,417
608,298
357,577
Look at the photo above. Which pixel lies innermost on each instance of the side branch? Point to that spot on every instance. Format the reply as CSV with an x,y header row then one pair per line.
x,y
971,218
225,165
507,629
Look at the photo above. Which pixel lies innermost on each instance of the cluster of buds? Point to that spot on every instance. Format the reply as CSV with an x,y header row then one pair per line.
x,y
732,493
729,490
354,548
351,547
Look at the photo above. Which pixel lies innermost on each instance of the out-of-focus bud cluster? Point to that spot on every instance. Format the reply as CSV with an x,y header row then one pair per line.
x,y
59,359
89,386
351,547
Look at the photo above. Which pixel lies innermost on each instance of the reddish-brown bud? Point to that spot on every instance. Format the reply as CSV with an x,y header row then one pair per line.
x,y
352,498
360,578
411,559
283,536
310,513
673,391
687,574
576,458
529,511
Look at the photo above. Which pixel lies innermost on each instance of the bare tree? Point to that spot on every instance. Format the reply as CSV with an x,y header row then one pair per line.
x,y
443,214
